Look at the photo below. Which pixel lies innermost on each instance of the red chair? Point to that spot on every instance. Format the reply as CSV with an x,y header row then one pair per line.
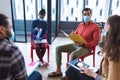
x,y
33,46
92,52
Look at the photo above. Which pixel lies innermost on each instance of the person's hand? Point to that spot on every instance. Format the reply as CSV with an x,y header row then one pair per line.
x,y
37,38
89,72
79,44
36,28
72,31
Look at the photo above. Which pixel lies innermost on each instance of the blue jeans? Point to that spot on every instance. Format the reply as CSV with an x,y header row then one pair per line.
x,y
35,76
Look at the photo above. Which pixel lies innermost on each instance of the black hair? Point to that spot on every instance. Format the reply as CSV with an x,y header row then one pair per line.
x,y
3,20
42,12
87,9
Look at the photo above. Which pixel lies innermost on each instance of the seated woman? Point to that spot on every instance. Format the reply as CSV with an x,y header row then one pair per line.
x,y
39,31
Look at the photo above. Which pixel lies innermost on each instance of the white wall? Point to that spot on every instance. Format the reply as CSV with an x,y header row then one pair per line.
x,y
5,8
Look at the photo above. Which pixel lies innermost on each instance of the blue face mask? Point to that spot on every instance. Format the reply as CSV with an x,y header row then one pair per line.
x,y
41,19
86,18
12,36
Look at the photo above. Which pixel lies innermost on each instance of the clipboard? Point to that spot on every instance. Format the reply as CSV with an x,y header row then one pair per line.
x,y
75,37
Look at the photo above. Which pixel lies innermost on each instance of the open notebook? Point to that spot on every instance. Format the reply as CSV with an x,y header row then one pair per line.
x,y
75,37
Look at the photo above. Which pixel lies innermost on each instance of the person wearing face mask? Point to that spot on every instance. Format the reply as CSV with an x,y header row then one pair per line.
x,y
110,64
39,31
11,31
89,31
12,64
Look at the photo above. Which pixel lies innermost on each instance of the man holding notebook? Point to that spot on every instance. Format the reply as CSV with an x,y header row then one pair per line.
x,y
89,31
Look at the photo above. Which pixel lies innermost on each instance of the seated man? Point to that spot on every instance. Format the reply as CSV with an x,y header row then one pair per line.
x,y
89,31
110,64
12,64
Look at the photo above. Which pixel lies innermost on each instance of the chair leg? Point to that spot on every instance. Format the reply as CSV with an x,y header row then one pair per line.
x,y
68,56
31,54
93,60
82,59
48,54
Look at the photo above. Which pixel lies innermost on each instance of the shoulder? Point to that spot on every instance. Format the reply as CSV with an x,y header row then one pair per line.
x,y
36,20
94,25
44,21
8,49
81,24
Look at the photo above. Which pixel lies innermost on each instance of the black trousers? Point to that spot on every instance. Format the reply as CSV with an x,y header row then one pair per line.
x,y
74,74
40,50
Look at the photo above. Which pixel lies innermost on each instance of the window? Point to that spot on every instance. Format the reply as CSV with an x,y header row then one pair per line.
x,y
97,2
86,2
67,2
99,9
114,7
117,3
71,10
100,12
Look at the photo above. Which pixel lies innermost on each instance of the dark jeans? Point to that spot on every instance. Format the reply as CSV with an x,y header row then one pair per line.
x,y
35,76
40,50
74,74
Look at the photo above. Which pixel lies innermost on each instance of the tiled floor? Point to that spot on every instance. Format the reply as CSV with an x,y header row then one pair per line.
x,y
25,49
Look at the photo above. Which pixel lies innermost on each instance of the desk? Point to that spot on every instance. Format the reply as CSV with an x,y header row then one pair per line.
x,y
31,67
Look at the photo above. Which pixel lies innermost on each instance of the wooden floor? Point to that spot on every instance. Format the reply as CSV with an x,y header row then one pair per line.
x,y
25,49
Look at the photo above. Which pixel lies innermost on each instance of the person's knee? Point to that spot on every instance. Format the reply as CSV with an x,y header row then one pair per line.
x,y
73,56
38,75
35,76
58,48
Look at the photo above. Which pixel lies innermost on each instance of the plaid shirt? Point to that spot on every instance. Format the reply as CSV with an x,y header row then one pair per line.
x,y
12,65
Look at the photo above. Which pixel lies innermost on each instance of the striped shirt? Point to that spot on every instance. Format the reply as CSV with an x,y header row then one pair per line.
x,y
12,65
